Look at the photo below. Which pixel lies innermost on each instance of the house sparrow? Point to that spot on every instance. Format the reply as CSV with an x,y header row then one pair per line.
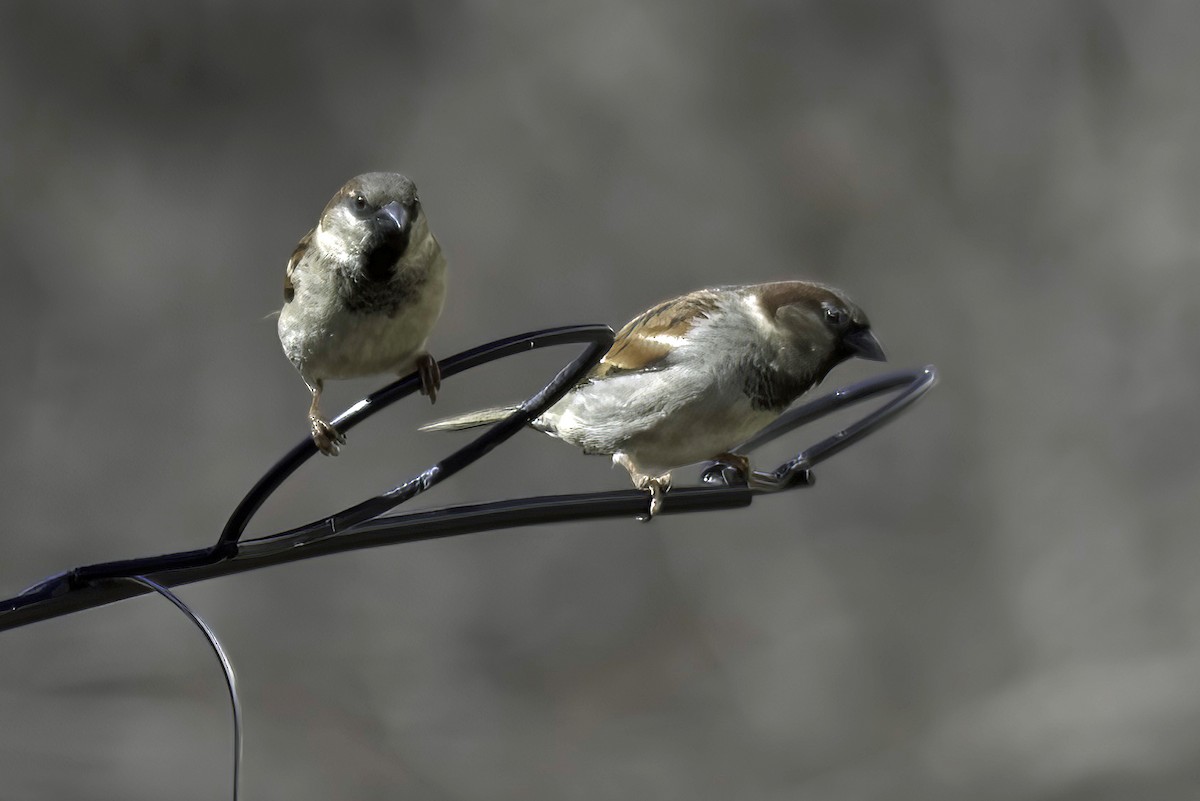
x,y
692,378
362,291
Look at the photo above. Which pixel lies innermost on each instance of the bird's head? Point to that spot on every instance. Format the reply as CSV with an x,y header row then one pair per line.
x,y
372,223
821,325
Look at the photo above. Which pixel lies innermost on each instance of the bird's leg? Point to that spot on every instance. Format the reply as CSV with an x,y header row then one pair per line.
x,y
327,438
657,486
431,376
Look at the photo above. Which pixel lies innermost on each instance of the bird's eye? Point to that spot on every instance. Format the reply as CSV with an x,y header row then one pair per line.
x,y
835,316
360,203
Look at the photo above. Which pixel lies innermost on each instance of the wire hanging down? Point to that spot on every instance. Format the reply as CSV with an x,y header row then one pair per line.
x,y
226,668
363,526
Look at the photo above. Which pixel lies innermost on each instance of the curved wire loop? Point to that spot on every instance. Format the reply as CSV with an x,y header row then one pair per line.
x,y
364,526
226,667
798,471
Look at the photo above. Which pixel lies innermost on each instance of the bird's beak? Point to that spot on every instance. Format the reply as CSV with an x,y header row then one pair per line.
x,y
863,344
395,217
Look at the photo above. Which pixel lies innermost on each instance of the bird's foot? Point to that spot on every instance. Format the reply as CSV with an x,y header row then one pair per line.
x,y
431,376
739,462
657,486
327,438
731,469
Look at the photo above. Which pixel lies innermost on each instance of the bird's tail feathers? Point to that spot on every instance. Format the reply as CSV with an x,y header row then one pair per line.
x,y
483,417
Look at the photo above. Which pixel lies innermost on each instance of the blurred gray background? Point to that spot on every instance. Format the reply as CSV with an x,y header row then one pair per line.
x,y
994,598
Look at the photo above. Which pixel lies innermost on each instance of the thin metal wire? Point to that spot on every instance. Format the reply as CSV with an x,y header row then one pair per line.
x,y
598,337
361,526
915,384
226,667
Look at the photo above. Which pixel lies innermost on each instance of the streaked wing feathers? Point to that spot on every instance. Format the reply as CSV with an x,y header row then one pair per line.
x,y
647,340
289,286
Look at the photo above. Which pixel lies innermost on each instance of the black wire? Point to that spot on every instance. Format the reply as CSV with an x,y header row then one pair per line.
x,y
599,337
916,383
361,526
226,668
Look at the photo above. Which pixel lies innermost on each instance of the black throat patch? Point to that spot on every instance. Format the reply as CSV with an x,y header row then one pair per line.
x,y
771,389
379,263
362,295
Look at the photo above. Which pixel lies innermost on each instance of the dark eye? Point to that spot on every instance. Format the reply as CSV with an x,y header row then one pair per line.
x,y
360,203
835,316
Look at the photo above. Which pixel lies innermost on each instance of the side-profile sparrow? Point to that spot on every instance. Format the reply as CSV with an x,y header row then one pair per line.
x,y
694,377
362,291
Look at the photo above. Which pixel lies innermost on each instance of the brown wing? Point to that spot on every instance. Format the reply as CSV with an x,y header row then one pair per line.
x,y
646,340
289,286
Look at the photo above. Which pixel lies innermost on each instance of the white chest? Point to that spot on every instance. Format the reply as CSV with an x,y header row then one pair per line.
x,y
324,339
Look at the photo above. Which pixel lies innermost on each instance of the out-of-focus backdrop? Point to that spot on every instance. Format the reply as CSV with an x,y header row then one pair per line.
x,y
997,597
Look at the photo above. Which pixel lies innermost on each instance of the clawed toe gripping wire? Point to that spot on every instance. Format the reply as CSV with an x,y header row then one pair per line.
x,y
365,525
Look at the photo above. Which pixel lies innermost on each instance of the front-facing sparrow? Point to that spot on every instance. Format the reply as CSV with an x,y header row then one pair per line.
x,y
362,291
694,377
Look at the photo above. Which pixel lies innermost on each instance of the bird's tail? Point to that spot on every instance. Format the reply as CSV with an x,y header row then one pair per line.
x,y
483,417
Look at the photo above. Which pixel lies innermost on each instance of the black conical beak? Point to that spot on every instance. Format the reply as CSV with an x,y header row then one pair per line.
x,y
394,218
863,344
393,224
